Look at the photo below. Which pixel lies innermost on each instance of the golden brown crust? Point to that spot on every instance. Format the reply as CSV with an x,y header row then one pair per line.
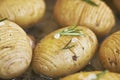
x,y
77,12
22,12
50,59
109,52
15,50
83,75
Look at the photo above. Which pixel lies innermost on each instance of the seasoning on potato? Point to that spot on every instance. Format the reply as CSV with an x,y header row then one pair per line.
x,y
94,14
23,12
64,51
15,50
109,52
94,75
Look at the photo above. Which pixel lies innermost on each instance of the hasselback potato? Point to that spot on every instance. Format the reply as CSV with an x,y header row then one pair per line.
x,y
94,75
64,51
15,50
94,14
109,52
23,12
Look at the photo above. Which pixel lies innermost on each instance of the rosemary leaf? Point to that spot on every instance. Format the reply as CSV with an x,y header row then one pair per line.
x,y
90,2
67,45
73,27
71,34
3,19
71,31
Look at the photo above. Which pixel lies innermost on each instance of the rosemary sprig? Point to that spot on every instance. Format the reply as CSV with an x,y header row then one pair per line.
x,y
71,31
90,2
3,19
67,46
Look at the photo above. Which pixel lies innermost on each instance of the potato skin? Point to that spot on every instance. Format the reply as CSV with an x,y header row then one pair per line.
x,y
109,52
31,40
23,12
51,60
99,18
15,50
82,75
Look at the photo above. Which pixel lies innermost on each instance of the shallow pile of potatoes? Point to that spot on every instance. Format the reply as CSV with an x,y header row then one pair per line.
x,y
64,53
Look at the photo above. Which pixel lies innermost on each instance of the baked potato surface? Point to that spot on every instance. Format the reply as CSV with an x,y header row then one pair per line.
x,y
98,18
109,52
95,75
65,54
23,12
15,50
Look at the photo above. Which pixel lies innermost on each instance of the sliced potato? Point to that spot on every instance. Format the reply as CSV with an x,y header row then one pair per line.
x,y
109,52
23,12
15,50
95,75
96,16
64,52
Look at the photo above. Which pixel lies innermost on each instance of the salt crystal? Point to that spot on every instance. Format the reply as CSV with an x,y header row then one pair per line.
x,y
91,77
57,36
2,23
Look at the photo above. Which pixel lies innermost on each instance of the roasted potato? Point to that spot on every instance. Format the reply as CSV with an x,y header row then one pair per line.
x,y
64,51
94,75
109,52
23,12
15,50
31,40
94,14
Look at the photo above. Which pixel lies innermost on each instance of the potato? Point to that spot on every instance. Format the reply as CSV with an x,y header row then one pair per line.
x,y
23,12
31,40
109,52
15,50
98,18
64,51
94,75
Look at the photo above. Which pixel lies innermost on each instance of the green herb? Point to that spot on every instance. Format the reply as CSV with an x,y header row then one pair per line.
x,y
99,75
72,31
67,46
90,2
3,19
